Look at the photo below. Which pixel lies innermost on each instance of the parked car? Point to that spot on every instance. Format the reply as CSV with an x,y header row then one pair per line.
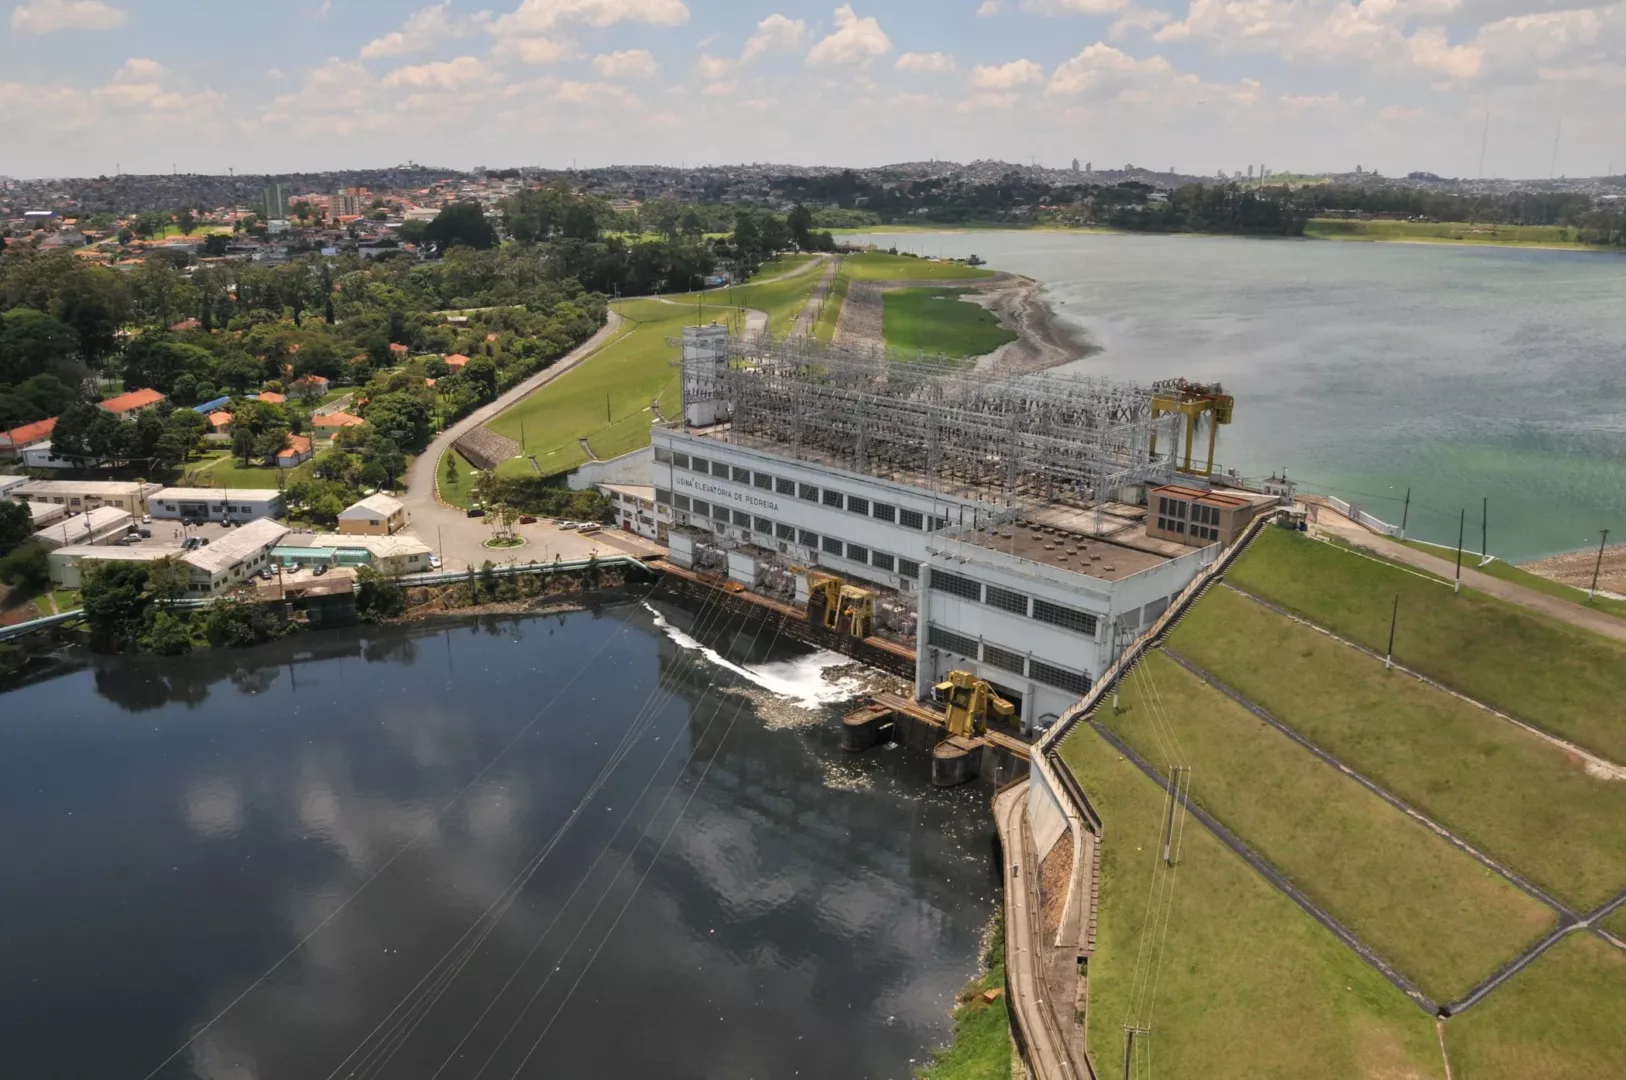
x,y
266,574
321,568
146,519
145,534
434,562
527,519
588,528
477,512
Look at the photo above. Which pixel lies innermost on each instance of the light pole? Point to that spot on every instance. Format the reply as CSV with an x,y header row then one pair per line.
x,y
1596,569
1462,523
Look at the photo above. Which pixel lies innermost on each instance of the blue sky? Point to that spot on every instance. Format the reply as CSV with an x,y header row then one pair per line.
x,y
87,86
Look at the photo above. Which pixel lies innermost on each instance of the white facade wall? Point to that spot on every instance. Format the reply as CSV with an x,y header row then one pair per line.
x,y
867,531
211,504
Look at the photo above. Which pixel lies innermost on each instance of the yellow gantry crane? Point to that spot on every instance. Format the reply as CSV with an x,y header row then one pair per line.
x,y
969,703
1193,400
846,609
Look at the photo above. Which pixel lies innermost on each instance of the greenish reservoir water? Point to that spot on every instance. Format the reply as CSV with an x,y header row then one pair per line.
x,y
1464,373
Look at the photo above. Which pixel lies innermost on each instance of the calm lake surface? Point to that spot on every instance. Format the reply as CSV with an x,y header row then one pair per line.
x,y
1463,373
343,814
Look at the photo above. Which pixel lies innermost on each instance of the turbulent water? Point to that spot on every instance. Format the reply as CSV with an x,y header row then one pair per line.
x,y
384,854
1463,373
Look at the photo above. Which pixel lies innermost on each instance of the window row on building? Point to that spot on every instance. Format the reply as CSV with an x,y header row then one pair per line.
x,y
1201,532
763,531
779,485
1074,682
1068,618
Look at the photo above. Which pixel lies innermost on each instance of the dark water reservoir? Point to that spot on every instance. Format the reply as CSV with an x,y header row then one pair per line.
x,y
564,846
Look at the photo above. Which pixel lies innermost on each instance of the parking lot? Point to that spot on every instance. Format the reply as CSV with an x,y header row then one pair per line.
x,y
172,534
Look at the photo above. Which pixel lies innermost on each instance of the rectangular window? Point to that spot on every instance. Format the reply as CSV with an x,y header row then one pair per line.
x,y
911,519
855,505
784,532
832,545
720,468
832,498
663,455
881,561
1181,509
808,492
702,508
700,465
857,554
1004,659
680,460
939,524
763,481
956,585
948,639
763,525
1005,600
1061,678
884,512
1163,505
908,568
808,539
680,501
741,476
1180,527
719,513
663,497
742,519
782,486
1065,617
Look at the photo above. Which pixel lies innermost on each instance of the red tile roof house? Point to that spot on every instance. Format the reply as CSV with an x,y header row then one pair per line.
x,y
398,351
18,439
456,361
271,397
125,406
330,423
299,449
311,385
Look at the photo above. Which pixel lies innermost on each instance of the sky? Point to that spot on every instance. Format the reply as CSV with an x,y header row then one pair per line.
x,y
91,87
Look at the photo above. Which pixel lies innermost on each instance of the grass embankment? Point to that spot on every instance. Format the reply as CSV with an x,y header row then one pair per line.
x,y
1616,923
1444,232
825,327
1557,676
607,397
878,266
457,489
1515,795
1558,1019
66,600
981,1049
1519,576
1249,985
1350,851
938,321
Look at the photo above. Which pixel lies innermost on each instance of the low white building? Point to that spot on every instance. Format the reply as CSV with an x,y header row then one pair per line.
x,y
216,504
45,513
42,456
102,525
635,510
229,562
392,556
79,495
8,484
376,515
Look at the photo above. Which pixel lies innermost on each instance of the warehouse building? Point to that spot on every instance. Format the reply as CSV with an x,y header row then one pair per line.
x,y
236,505
103,525
80,495
216,568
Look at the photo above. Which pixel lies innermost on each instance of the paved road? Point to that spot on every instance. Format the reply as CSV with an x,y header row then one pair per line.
x,y
459,538
1333,522
1048,1054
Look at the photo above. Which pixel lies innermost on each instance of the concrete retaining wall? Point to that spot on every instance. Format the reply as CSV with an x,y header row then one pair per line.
x,y
633,468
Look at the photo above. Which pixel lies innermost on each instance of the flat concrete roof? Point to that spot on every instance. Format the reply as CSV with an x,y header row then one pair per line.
x,y
379,505
1087,555
98,488
202,494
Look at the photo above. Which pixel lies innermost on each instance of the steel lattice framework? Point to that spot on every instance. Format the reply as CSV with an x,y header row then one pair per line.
x,y
1008,440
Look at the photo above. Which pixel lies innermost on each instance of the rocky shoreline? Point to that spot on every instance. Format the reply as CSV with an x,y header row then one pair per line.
x,y
1575,569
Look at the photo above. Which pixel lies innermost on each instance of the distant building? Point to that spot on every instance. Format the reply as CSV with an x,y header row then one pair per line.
x,y
18,439
41,456
1197,517
216,504
126,405
274,201
456,361
376,515
299,450
230,561
635,510
1075,165
329,424
390,555
102,525
81,495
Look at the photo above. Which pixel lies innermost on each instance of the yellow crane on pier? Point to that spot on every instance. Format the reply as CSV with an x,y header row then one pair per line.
x,y
1193,401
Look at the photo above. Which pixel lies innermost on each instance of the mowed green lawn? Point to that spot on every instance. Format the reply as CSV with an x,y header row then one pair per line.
x,y
1519,576
607,397
227,471
1438,232
1513,794
1428,908
1616,923
938,321
877,266
1561,1018
1249,987
825,328
1554,675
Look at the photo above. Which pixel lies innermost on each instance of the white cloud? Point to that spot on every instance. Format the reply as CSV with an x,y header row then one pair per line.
x,y
1074,7
627,64
932,63
1430,50
713,67
49,16
1102,67
854,41
323,10
452,74
425,29
541,16
1006,76
987,8
533,51
1137,18
1400,112
721,89
776,33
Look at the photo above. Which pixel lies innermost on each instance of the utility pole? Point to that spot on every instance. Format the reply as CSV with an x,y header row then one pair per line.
x,y
1462,522
440,544
1592,592
1405,511
1484,531
607,409
522,435
1129,1045
1168,825
1388,658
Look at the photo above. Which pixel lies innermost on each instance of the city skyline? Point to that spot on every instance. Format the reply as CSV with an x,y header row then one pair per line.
x,y
95,87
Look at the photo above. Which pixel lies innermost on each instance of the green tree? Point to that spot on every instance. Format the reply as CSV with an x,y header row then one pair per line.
x,y
115,601
33,343
27,568
85,431
242,442
16,525
186,221
378,597
462,223
402,418
800,222
168,634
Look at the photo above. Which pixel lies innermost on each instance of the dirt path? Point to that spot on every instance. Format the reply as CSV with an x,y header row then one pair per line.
x,y
808,319
1329,520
